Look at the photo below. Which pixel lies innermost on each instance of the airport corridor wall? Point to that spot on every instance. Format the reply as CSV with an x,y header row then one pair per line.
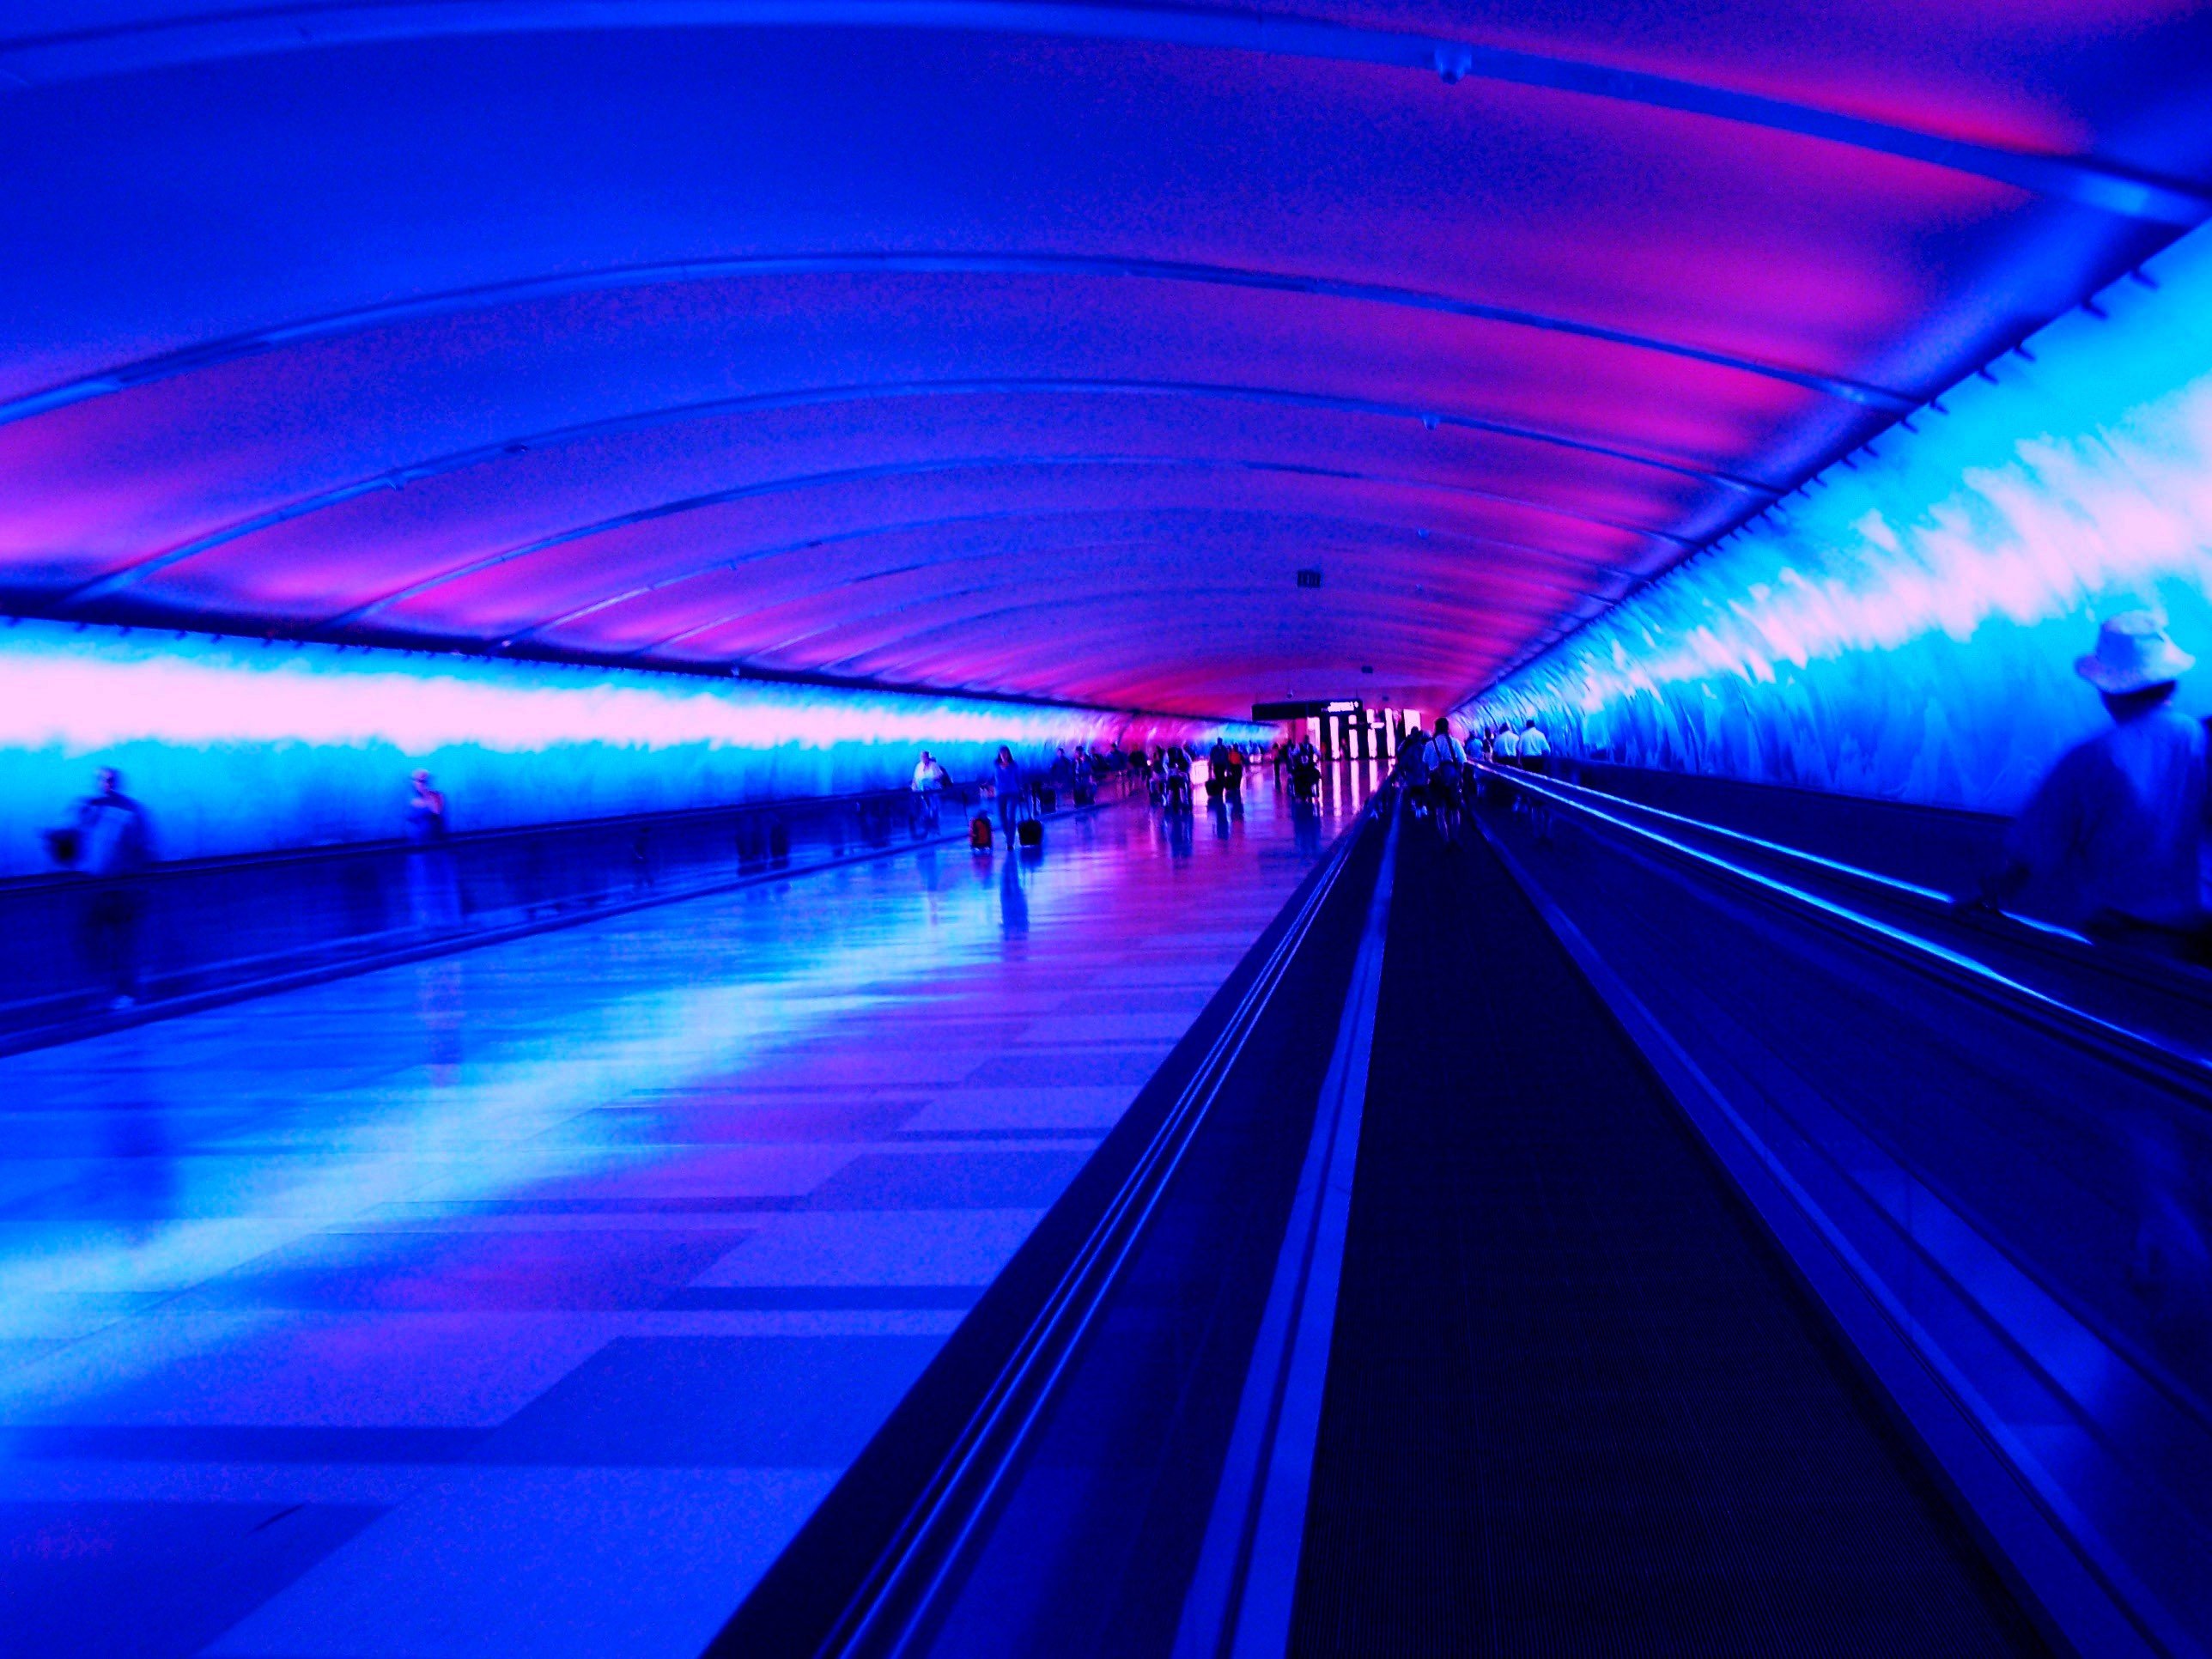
x,y
1906,627
237,747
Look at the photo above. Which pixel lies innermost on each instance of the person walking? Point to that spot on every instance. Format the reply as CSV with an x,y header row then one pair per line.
x,y
1536,758
112,844
2113,840
433,884
1412,771
1175,778
1006,783
1535,750
1447,776
928,789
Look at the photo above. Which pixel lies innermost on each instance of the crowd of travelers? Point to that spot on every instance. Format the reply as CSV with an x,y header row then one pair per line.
x,y
2116,841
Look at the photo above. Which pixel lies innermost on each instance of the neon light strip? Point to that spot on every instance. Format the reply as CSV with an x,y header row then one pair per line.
x,y
1872,876
87,694
2125,1036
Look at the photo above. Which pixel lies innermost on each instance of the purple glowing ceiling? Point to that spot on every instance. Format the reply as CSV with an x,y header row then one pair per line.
x,y
1011,346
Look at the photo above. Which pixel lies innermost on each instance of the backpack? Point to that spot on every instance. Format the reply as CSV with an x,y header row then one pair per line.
x,y
979,833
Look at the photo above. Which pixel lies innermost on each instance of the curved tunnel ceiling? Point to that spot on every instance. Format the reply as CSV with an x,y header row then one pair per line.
x,y
1006,347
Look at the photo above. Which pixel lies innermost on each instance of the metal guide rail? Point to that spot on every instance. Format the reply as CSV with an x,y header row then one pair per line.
x,y
2169,1060
901,1597
2078,1437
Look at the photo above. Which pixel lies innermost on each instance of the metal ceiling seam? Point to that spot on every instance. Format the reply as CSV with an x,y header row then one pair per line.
x,y
720,565
834,478
36,60
1378,603
1343,598
521,290
1385,630
508,447
1448,626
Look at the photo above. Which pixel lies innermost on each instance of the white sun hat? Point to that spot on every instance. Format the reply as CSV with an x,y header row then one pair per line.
x,y
2133,654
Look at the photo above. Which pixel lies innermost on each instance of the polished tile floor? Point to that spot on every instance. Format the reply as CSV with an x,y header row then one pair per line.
x,y
526,1301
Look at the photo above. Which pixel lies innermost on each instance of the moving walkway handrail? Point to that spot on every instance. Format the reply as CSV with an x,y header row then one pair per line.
x,y
897,1602
2047,939
1854,872
2166,1062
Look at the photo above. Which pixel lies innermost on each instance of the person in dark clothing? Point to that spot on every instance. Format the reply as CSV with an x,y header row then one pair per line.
x,y
1175,778
433,884
112,844
1006,779
1228,761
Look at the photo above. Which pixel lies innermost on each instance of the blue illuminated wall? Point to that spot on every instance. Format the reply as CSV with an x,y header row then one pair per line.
x,y
1907,628
237,747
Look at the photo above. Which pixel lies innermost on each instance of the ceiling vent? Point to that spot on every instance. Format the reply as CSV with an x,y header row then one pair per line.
x,y
1309,579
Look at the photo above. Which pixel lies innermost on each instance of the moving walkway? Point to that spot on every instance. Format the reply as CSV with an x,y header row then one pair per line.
x,y
1614,1240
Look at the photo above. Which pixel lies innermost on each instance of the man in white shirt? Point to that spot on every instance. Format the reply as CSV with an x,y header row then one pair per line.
x,y
1535,750
1509,745
929,780
1447,774
1444,749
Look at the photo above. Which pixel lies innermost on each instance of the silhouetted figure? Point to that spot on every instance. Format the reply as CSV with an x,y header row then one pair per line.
x,y
110,843
433,885
1175,779
2112,840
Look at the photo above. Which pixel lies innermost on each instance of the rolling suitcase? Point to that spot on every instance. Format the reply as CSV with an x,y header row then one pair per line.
x,y
979,833
1030,833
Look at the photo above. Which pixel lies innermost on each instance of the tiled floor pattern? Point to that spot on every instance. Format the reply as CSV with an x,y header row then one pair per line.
x,y
526,1301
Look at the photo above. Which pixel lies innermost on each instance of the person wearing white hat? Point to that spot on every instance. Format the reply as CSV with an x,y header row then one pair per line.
x,y
2113,839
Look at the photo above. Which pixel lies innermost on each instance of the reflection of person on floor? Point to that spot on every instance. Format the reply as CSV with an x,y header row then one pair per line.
x,y
433,887
1013,901
2112,840
112,843
2170,1262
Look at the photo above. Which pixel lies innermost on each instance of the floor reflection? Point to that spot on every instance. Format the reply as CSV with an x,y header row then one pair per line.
x,y
542,1289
